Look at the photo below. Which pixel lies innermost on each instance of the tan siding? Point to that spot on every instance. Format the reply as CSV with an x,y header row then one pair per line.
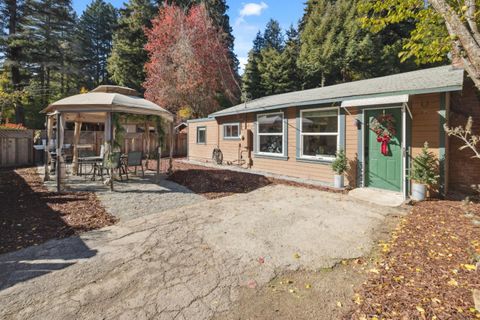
x,y
202,152
351,146
426,122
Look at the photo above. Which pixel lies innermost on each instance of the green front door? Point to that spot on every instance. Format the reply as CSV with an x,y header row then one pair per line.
x,y
383,171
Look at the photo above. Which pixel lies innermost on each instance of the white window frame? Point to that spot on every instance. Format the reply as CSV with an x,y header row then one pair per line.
x,y
231,124
258,135
302,134
204,129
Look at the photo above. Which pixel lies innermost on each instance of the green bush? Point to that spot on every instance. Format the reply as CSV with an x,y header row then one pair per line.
x,y
425,167
340,164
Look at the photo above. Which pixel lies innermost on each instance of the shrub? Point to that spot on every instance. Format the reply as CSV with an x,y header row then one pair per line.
x,y
12,126
424,169
340,164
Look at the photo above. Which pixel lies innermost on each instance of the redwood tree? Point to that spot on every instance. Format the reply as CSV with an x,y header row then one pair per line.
x,y
189,64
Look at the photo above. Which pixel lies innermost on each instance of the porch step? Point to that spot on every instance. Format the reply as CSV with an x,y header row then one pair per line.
x,y
379,197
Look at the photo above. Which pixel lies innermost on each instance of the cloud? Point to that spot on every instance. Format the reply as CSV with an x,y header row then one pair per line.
x,y
252,9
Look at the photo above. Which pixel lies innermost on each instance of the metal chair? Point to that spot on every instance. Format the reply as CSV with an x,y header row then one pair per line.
x,y
116,164
134,159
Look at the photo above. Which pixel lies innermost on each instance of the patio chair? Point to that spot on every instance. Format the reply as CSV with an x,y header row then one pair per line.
x,y
82,163
116,164
134,159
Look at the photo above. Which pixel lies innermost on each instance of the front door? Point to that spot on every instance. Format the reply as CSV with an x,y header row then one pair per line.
x,y
383,167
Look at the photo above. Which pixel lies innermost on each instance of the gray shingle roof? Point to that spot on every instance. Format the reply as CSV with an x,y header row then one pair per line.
x,y
439,79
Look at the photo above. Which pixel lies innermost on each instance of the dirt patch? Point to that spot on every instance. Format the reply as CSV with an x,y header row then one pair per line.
x,y
428,269
325,294
217,183
30,214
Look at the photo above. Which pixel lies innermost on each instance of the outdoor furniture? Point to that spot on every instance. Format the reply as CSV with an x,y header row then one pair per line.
x,y
134,159
116,164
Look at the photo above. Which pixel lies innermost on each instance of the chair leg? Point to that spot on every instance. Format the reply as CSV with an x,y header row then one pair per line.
x,y
143,171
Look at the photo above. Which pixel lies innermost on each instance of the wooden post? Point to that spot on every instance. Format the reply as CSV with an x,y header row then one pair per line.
x,y
158,163
58,170
47,148
76,141
108,136
147,142
170,161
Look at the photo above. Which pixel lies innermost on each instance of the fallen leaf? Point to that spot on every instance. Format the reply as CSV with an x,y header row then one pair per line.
x,y
469,267
308,286
453,283
339,304
296,255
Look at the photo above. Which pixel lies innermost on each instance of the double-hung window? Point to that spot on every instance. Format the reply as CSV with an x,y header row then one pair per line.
x,y
231,130
270,134
319,134
201,135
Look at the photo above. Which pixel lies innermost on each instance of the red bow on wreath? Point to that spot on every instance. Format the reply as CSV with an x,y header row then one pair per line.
x,y
384,148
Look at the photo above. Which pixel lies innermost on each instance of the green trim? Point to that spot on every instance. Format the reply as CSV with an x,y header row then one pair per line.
x,y
334,100
264,156
360,162
408,151
441,148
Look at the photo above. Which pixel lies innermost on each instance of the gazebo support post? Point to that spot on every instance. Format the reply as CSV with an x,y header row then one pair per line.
x,y
147,141
58,163
46,176
170,161
108,143
76,141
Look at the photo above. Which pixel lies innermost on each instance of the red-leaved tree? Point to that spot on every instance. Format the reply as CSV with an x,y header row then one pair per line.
x,y
188,62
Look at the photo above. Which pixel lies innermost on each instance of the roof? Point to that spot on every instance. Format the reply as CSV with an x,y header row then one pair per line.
x,y
439,79
108,99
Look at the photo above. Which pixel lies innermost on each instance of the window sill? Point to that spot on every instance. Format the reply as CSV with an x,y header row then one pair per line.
x,y
310,160
232,139
272,157
202,143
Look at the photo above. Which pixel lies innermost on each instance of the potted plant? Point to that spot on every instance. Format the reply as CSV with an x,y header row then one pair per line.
x,y
423,173
340,166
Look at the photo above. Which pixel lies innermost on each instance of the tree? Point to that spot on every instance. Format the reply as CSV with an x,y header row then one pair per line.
x,y
251,80
128,57
95,31
10,99
441,27
12,14
185,67
273,37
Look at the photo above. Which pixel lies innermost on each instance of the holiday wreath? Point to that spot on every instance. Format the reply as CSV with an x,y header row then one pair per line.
x,y
384,128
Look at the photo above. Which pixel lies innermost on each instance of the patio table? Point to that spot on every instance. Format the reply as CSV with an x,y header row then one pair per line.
x,y
88,160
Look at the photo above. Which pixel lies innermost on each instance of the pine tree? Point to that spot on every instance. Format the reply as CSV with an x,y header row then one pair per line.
x,y
273,36
126,63
95,32
251,80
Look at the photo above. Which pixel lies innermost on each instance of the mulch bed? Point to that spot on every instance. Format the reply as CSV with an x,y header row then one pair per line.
x,y
30,214
429,268
217,183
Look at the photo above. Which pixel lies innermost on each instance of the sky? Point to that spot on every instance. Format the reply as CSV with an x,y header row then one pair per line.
x,y
246,19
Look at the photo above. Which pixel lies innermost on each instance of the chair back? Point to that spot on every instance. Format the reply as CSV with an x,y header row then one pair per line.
x,y
116,160
102,151
134,158
83,153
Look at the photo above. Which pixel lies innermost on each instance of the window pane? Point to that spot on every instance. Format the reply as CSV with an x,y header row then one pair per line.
x,y
271,144
272,123
228,131
235,131
201,135
319,145
320,121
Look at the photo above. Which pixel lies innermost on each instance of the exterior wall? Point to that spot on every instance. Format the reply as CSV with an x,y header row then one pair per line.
x,y
202,152
464,171
351,146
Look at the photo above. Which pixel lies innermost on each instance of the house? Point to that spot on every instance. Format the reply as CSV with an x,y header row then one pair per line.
x,y
297,134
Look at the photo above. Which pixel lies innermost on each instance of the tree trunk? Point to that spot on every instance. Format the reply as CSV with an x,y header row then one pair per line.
x,y
466,38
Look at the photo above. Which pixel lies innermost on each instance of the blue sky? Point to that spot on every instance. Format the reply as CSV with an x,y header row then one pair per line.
x,y
246,18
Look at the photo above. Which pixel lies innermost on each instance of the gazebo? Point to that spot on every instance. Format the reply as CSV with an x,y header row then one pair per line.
x,y
96,106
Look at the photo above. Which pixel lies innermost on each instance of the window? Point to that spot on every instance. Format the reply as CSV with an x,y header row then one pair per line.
x,y
231,130
201,135
270,134
319,134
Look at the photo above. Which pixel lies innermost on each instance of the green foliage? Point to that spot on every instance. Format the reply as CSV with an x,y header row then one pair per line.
x,y
126,63
94,34
427,42
425,168
340,164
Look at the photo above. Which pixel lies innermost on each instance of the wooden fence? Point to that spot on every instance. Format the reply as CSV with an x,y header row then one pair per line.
x,y
16,148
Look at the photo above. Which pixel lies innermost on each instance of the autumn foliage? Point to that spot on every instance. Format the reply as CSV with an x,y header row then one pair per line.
x,y
188,62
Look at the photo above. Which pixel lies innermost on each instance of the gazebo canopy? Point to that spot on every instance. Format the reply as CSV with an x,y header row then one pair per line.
x,y
93,106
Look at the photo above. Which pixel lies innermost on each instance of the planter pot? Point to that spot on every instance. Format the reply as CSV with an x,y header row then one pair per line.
x,y
339,181
419,191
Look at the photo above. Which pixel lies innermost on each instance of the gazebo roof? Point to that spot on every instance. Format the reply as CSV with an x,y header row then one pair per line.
x,y
106,99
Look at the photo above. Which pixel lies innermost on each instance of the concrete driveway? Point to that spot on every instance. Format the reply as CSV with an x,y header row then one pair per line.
x,y
186,263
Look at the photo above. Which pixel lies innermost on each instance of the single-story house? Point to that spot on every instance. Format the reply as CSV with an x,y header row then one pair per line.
x,y
297,134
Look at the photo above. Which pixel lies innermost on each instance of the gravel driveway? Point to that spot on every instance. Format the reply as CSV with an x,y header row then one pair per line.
x,y
186,263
